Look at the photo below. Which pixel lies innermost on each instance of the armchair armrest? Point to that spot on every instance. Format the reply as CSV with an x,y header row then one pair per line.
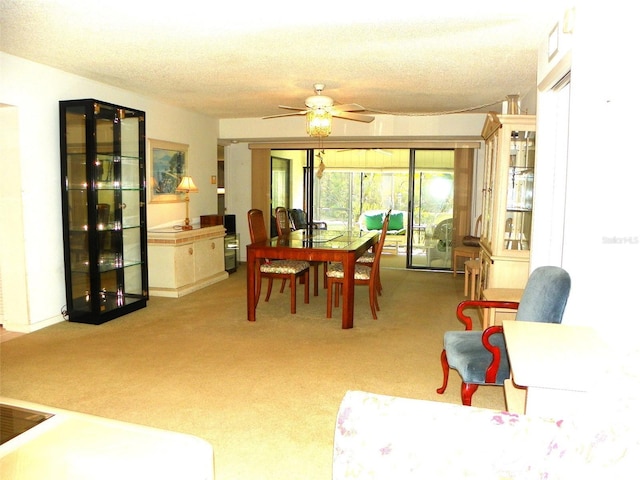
x,y
468,322
492,370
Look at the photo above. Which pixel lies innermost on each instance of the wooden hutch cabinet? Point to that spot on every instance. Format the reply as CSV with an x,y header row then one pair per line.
x,y
103,209
507,201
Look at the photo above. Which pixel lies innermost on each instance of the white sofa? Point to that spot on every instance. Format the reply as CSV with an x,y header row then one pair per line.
x,y
383,437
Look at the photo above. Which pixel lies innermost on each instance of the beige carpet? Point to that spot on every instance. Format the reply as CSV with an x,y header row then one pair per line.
x,y
264,394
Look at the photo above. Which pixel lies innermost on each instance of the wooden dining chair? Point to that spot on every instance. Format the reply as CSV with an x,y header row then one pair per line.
x,y
364,275
368,257
284,269
283,222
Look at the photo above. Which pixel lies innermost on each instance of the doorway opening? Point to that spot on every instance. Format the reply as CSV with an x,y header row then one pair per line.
x,y
341,187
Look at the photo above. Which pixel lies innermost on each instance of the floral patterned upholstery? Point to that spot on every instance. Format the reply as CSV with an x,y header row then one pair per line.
x,y
383,437
336,270
366,257
284,266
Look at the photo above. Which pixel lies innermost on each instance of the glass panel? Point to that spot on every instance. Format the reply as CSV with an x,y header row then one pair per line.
x,y
280,183
77,199
432,228
131,246
104,134
520,190
356,181
129,136
133,281
130,208
81,291
108,288
490,171
130,173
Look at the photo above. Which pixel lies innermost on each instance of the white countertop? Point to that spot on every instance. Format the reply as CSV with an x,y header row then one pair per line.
x,y
72,445
553,356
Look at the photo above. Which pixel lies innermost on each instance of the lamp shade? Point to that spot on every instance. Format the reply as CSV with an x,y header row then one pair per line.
x,y
186,185
318,122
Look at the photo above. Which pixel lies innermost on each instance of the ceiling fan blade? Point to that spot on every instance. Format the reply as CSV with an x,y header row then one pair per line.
x,y
292,108
358,117
302,112
349,107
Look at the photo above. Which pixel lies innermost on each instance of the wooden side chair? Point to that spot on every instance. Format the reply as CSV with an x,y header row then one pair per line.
x,y
284,269
480,357
283,222
364,275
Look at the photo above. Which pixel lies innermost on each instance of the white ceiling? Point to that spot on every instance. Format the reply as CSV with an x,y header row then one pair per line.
x,y
243,59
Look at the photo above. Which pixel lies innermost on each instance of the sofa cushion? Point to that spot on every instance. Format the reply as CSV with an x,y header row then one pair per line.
x,y
378,437
373,221
396,221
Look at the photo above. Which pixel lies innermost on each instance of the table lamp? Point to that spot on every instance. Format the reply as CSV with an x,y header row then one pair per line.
x,y
186,185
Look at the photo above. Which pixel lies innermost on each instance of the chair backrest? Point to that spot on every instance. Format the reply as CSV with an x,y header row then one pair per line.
x,y
478,226
299,218
282,221
380,244
443,230
257,228
545,295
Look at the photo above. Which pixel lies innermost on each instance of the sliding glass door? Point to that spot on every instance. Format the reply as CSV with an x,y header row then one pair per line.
x,y
432,192
340,187
354,182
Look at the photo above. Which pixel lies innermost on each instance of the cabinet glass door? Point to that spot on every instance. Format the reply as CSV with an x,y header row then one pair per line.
x,y
77,202
491,164
519,202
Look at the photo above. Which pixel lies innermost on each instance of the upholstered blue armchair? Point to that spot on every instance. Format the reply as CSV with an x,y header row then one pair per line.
x,y
480,357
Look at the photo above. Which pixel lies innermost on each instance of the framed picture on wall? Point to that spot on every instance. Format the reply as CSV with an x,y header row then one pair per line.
x,y
168,166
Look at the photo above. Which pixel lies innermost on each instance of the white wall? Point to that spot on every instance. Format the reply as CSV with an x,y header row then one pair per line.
x,y
599,241
237,171
384,127
34,91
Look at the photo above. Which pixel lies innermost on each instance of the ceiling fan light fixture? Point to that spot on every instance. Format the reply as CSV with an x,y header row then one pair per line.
x,y
318,122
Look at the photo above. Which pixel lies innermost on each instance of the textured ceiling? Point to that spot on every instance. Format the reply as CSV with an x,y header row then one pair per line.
x,y
246,58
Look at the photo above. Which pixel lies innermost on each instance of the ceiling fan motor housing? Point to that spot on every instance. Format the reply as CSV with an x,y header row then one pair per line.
x,y
319,101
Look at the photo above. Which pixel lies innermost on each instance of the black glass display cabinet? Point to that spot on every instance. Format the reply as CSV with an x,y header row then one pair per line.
x,y
103,209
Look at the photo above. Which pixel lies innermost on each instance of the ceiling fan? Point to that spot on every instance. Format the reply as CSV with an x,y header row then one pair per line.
x,y
324,103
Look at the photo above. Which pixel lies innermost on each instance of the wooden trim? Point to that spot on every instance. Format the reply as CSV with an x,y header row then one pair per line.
x,y
261,182
463,193
303,145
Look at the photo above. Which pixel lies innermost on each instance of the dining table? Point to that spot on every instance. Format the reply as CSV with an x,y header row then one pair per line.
x,y
312,245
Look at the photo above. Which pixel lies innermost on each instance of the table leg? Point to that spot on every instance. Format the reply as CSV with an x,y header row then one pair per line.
x,y
348,290
251,286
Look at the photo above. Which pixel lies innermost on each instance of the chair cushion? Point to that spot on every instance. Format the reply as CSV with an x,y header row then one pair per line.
x,y
471,241
396,221
366,257
363,272
373,221
467,355
289,267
